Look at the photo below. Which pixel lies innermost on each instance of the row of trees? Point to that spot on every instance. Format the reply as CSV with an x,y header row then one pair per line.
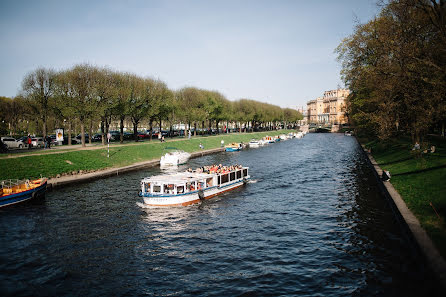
x,y
90,95
395,67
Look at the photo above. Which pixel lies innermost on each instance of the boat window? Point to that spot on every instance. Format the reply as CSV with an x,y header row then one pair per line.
x,y
219,182
245,172
201,185
239,174
169,188
209,182
180,189
146,187
224,178
156,189
232,176
190,186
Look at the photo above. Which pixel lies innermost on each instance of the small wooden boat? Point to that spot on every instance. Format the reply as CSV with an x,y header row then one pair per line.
x,y
16,191
186,188
233,147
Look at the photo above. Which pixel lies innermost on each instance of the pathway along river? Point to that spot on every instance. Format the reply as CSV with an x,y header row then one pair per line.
x,y
311,223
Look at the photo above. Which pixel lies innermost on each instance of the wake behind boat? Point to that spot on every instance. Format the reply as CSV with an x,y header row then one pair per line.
x,y
16,191
186,188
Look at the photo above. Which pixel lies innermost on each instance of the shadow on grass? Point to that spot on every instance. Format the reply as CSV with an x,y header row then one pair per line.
x,y
419,171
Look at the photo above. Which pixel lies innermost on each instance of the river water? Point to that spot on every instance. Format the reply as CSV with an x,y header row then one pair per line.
x,y
311,223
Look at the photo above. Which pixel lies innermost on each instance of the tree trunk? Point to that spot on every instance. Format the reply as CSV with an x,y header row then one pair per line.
x,y
90,132
44,126
121,130
217,122
69,131
135,130
187,132
103,131
195,128
150,129
82,133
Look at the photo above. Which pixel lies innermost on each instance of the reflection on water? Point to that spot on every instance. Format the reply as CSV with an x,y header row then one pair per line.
x,y
309,223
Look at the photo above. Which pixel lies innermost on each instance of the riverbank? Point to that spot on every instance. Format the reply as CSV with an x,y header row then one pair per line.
x,y
418,192
83,161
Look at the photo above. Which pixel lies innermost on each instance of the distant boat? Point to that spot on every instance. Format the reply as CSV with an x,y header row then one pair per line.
x,y
233,147
269,139
254,143
16,191
174,158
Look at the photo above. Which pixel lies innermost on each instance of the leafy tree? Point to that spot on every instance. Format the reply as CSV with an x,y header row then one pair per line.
x,y
38,87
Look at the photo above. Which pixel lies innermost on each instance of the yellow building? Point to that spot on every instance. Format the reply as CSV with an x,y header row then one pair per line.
x,y
328,109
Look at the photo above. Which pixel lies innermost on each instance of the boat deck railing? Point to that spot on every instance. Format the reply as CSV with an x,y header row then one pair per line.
x,y
9,183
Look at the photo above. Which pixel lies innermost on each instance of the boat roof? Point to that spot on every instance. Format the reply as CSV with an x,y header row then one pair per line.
x,y
180,177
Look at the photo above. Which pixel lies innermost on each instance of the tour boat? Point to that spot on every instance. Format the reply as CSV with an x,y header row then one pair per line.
x,y
186,188
233,147
174,158
254,143
16,191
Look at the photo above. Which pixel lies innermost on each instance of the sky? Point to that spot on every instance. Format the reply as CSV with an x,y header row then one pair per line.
x,y
276,51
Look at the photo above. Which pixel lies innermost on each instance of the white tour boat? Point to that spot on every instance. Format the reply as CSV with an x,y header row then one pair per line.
x,y
186,188
174,158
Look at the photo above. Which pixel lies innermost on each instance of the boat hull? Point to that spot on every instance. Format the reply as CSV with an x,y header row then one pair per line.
x,y
191,197
232,149
15,198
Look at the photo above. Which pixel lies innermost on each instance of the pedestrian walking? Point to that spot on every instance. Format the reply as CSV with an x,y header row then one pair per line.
x,y
30,144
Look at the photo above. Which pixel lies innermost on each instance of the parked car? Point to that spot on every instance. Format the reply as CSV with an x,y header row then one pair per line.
x,y
37,142
79,138
53,140
13,143
97,137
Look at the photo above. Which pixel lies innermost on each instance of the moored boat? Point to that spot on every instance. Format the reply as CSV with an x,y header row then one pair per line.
x,y
233,147
174,158
16,191
268,139
254,143
190,187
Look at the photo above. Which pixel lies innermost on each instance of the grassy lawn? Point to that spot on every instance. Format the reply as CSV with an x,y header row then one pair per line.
x,y
49,163
420,178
